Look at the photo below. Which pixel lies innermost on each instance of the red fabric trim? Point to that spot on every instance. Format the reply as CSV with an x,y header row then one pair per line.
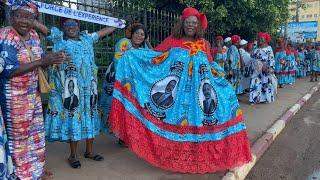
x,y
213,52
286,73
185,157
175,128
279,50
288,51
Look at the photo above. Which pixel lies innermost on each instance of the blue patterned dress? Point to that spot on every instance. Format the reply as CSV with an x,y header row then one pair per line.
x,y
6,165
301,66
73,101
247,69
282,64
315,62
121,47
221,59
235,68
292,66
309,56
261,86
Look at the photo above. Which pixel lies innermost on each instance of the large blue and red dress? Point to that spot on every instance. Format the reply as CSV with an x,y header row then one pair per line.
x,y
174,109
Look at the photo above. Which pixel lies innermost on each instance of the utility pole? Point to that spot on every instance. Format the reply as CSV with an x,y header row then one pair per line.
x,y
298,6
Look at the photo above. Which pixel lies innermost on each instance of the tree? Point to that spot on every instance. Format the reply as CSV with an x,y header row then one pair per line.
x,y
227,17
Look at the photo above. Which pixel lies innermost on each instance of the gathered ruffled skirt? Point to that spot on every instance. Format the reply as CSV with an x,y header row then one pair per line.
x,y
177,112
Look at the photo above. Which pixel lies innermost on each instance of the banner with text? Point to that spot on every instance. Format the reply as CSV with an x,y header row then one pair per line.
x,y
67,12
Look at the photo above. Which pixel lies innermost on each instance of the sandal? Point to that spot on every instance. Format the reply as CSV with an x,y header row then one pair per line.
x,y
74,162
47,175
96,157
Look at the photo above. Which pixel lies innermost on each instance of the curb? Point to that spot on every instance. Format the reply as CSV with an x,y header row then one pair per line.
x,y
262,144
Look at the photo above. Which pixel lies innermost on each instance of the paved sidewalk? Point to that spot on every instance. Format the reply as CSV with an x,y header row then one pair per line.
x,y
122,164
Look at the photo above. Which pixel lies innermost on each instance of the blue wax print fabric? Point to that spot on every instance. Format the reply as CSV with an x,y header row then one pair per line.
x,y
280,67
263,85
301,65
6,163
315,63
121,47
309,56
73,101
235,69
221,59
182,89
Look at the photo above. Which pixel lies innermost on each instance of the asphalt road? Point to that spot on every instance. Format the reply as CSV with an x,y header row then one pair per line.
x,y
295,154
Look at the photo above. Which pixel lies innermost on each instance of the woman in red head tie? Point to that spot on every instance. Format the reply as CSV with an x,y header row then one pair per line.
x,y
263,84
234,59
301,64
219,53
291,64
184,122
281,66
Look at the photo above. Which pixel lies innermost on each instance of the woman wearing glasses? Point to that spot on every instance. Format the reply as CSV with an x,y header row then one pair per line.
x,y
173,107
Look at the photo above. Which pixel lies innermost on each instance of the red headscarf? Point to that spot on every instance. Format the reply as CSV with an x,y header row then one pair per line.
x,y
194,12
235,39
64,19
250,45
219,38
266,36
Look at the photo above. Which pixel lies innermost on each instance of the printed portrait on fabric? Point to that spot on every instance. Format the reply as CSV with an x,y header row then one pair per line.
x,y
163,92
207,98
2,63
71,94
94,94
109,78
110,74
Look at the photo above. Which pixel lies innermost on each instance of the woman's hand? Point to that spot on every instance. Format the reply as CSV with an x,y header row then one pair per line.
x,y
55,58
49,59
40,27
147,41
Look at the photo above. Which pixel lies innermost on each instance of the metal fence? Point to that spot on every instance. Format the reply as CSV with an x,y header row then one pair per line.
x,y
158,24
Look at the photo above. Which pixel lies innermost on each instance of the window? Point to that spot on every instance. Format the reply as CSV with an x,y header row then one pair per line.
x,y
302,16
309,16
315,15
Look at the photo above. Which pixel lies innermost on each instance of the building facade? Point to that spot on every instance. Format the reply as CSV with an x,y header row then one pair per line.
x,y
306,11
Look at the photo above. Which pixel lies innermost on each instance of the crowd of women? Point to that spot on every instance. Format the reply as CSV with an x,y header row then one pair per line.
x,y
259,70
174,105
